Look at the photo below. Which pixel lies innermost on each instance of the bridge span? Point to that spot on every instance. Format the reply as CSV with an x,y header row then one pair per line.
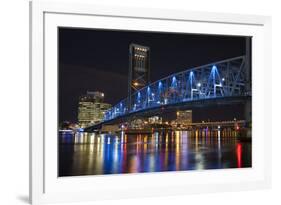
x,y
219,83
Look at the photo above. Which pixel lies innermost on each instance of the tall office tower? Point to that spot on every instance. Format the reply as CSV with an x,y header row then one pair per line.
x,y
91,108
139,69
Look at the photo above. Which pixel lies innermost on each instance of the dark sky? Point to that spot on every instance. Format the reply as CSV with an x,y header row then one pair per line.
x,y
97,60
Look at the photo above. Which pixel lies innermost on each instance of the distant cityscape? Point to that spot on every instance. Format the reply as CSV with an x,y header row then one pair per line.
x,y
92,109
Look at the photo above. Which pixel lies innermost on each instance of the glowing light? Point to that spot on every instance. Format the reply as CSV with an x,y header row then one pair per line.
x,y
139,97
174,82
239,155
136,84
214,68
199,84
148,90
223,79
92,138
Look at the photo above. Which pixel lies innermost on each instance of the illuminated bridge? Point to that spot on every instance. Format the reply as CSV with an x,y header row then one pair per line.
x,y
222,82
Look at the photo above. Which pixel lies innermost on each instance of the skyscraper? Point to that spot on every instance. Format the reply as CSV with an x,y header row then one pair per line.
x,y
91,108
139,69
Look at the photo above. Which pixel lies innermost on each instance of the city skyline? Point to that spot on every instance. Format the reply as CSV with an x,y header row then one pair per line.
x,y
81,67
153,102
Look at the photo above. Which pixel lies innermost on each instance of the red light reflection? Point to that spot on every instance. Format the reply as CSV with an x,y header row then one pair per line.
x,y
239,155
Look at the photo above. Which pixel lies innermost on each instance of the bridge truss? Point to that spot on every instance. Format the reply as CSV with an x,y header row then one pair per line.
x,y
227,78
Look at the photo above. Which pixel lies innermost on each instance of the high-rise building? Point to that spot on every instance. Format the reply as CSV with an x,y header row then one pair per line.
x,y
91,108
139,69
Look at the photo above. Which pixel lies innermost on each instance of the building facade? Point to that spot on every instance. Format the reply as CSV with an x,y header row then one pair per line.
x,y
139,69
155,120
184,119
91,108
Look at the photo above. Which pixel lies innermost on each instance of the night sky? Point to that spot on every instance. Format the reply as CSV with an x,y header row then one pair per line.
x,y
98,60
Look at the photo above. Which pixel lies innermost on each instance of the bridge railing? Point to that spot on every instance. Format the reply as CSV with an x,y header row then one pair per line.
x,y
220,79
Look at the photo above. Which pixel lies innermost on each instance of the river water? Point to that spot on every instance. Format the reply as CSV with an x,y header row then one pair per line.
x,y
97,154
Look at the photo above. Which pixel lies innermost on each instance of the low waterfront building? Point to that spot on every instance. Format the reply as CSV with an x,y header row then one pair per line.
x,y
155,120
184,118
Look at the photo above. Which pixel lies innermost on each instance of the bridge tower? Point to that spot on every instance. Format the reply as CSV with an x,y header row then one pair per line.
x,y
139,69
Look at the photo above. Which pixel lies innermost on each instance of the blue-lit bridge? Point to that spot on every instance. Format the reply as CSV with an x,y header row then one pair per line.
x,y
226,81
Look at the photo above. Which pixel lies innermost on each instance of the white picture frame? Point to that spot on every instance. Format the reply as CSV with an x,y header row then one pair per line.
x,y
46,187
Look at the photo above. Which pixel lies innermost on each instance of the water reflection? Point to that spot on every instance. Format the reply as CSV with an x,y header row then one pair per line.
x,y
91,154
